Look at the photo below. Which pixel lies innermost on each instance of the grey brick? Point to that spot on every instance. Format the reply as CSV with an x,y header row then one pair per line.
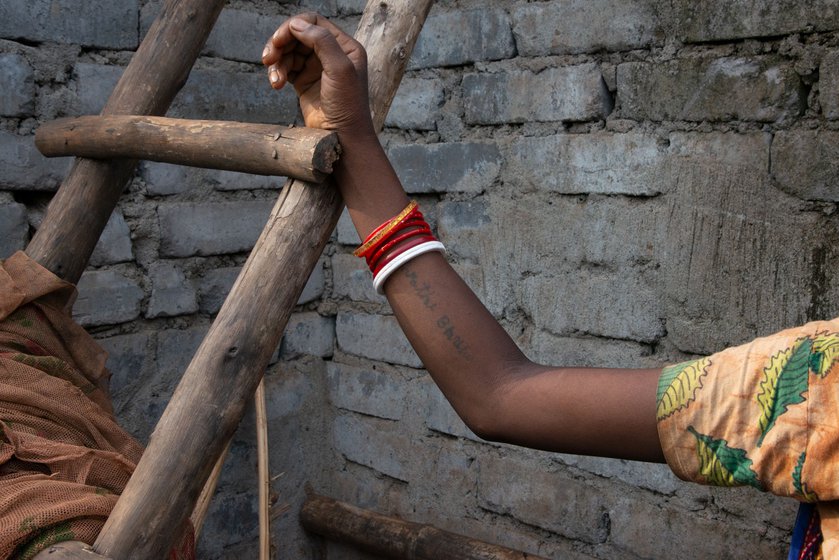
x,y
416,105
718,20
631,164
352,279
619,305
378,444
171,294
554,501
17,86
350,6
729,252
234,96
129,359
100,23
210,228
829,85
682,534
805,164
208,94
164,179
14,228
106,297
568,93
308,333
756,507
149,393
24,168
250,29
314,287
656,477
462,37
755,89
454,167
346,230
464,226
441,417
377,337
587,25
214,286
93,86
546,348
235,181
114,245
367,391
175,349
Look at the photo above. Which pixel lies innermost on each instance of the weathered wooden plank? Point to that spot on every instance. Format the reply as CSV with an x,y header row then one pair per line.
x,y
69,550
262,149
210,400
81,208
394,538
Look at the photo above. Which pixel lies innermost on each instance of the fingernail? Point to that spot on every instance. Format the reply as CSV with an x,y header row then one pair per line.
x,y
274,77
299,24
265,51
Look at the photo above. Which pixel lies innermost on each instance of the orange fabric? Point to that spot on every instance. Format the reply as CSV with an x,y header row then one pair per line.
x,y
63,458
764,414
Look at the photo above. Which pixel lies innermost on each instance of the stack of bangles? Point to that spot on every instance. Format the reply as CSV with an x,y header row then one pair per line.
x,y
395,242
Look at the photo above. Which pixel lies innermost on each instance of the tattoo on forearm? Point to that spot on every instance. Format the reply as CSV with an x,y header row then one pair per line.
x,y
425,292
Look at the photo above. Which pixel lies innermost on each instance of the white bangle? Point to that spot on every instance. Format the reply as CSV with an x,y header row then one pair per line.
x,y
402,258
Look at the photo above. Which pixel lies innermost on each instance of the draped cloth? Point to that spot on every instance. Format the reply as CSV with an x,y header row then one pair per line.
x,y
766,415
64,460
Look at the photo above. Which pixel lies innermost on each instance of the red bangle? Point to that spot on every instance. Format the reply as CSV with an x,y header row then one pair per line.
x,y
412,219
419,240
403,235
383,230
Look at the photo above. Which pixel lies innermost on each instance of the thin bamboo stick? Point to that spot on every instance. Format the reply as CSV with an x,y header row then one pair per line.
x,y
263,473
206,497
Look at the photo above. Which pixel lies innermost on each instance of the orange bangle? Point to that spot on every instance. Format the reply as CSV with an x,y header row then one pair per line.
x,y
383,230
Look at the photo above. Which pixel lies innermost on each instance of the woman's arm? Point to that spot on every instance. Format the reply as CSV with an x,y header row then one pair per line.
x,y
499,393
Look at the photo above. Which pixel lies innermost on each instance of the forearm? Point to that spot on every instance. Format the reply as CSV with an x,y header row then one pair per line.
x,y
499,393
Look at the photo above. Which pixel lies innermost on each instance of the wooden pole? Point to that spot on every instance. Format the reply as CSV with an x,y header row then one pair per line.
x,y
393,538
262,149
69,550
81,208
210,399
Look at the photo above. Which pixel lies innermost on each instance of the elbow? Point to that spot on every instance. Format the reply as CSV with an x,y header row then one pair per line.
x,y
487,412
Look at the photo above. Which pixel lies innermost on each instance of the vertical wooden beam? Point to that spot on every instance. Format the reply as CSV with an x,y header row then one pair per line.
x,y
157,71
210,400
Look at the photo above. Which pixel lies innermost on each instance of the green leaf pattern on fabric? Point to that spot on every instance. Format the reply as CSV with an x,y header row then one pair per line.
x,y
825,354
722,465
784,384
678,384
48,537
799,485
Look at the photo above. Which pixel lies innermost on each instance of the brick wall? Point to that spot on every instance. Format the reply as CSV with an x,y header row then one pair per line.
x,y
624,183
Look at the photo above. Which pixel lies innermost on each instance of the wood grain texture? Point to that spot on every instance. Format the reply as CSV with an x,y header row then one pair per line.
x,y
210,399
157,71
69,550
261,149
394,538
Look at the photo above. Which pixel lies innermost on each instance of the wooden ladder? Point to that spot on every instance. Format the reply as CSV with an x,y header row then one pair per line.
x,y
224,373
